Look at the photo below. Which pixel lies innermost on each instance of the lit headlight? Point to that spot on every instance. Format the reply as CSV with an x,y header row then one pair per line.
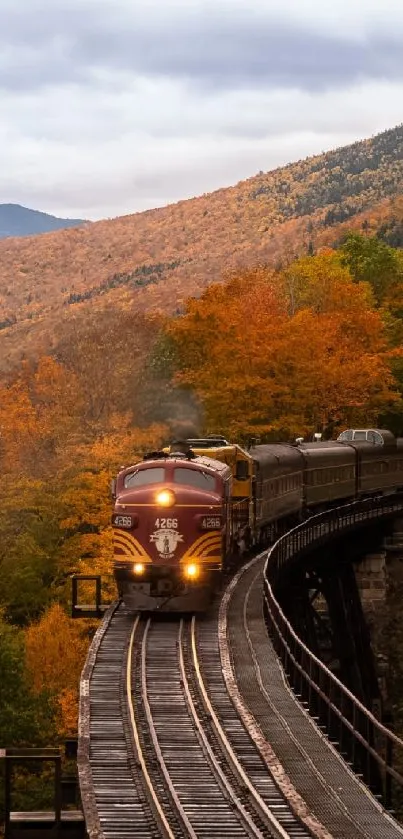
x,y
165,498
192,571
139,568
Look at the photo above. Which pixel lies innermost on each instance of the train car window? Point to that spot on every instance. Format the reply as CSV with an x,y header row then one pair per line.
x,y
346,435
194,478
145,476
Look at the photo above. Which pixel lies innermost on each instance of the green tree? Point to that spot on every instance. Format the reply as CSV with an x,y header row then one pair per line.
x,y
23,719
371,260
30,542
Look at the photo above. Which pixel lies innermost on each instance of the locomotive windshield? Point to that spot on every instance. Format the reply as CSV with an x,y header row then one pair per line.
x,y
193,478
155,475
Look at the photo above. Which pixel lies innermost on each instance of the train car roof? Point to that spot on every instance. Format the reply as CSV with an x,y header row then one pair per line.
x,y
279,456
326,451
322,444
202,461
161,458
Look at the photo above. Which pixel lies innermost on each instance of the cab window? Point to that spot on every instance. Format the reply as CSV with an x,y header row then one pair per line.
x,y
142,477
242,470
193,478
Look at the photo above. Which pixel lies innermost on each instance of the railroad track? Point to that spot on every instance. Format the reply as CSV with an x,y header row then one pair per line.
x,y
167,754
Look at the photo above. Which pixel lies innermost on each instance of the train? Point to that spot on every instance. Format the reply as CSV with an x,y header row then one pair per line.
x,y
185,515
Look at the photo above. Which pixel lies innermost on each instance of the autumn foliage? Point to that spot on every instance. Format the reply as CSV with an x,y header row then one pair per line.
x,y
56,647
314,346
286,355
63,436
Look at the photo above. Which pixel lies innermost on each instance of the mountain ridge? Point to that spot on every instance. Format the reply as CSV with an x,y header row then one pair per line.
x,y
19,221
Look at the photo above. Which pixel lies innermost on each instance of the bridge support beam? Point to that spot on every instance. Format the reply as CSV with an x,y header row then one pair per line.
x,y
323,604
351,638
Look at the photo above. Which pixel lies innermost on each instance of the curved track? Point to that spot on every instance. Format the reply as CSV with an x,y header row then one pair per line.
x,y
169,756
184,722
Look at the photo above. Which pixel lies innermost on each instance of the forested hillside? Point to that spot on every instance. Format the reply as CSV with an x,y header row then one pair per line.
x,y
158,258
314,346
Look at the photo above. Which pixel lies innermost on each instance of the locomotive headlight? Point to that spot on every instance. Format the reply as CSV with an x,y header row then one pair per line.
x,y
138,568
165,498
192,571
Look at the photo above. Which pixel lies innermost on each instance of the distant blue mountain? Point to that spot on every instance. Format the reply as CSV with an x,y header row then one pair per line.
x,y
20,221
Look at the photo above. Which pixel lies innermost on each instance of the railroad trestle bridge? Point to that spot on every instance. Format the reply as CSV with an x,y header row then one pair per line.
x,y
317,557
189,728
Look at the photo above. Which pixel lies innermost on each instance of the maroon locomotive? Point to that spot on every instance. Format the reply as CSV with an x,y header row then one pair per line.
x,y
180,518
172,531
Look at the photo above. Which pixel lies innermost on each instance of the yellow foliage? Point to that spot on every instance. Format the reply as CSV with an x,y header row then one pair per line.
x,y
68,709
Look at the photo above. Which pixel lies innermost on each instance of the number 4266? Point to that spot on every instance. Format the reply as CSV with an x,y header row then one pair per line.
x,y
166,524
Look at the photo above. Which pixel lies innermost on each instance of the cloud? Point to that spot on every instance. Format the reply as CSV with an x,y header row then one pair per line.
x,y
111,107
221,44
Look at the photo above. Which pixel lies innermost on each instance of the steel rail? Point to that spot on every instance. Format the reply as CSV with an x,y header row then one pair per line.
x,y
201,792
224,782
151,789
263,810
172,791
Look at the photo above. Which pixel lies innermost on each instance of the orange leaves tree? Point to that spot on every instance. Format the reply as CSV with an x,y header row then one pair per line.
x,y
38,419
279,355
56,468
39,413
56,647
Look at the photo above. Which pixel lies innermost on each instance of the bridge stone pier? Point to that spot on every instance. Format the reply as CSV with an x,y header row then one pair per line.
x,y
379,569
371,576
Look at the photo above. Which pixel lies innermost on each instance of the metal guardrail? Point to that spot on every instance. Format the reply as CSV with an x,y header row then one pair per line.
x,y
373,750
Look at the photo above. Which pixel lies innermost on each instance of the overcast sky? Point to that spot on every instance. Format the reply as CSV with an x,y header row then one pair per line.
x,y
112,106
